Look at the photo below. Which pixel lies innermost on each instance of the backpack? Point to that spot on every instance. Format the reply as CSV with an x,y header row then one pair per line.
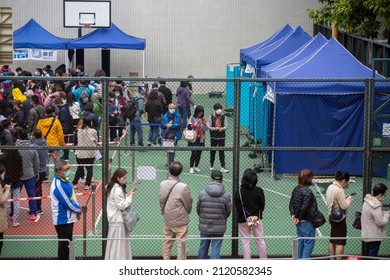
x,y
84,96
132,108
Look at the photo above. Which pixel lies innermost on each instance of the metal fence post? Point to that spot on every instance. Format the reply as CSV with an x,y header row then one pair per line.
x,y
295,249
93,209
183,249
84,211
71,251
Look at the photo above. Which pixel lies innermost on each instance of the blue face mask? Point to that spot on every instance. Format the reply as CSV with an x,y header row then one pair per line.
x,y
67,174
117,94
171,111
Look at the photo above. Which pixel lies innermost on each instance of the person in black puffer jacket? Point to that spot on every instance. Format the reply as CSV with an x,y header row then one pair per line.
x,y
303,208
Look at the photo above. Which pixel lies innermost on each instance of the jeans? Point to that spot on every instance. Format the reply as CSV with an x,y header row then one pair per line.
x,y
184,113
30,188
371,249
136,126
305,246
216,245
154,131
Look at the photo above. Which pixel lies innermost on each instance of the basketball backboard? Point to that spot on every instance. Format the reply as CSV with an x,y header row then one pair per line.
x,y
87,13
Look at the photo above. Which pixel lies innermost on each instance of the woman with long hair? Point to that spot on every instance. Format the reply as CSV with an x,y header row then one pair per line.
x,y
118,200
250,203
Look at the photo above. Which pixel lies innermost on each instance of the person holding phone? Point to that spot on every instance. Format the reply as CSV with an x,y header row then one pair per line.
x,y
199,123
117,247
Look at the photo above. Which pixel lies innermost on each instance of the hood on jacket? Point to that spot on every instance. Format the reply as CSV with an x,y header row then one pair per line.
x,y
23,143
248,187
40,142
46,122
372,201
215,189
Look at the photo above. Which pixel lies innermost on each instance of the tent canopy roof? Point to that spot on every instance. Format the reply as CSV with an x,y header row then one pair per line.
x,y
108,38
275,37
33,36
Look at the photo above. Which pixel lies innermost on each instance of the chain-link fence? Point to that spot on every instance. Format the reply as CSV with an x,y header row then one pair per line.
x,y
276,127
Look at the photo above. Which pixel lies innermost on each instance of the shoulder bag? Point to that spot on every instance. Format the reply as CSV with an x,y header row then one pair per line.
x,y
336,214
189,135
166,200
130,218
250,220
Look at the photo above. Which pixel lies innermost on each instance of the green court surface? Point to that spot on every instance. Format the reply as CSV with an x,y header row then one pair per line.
x,y
278,227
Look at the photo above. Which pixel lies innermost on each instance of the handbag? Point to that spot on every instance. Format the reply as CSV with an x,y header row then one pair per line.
x,y
250,220
130,218
357,223
336,214
318,220
189,135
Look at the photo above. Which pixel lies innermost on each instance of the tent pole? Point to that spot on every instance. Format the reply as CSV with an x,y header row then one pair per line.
x,y
143,64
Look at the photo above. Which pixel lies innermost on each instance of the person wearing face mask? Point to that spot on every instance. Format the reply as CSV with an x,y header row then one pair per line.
x,y
218,125
171,128
5,194
64,207
118,248
199,123
374,220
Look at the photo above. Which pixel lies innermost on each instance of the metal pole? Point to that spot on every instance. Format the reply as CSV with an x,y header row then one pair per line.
x,y
295,249
236,161
93,209
72,256
105,159
367,159
183,249
84,211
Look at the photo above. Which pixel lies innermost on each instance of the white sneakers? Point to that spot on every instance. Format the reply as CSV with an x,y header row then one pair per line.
x,y
193,169
223,170
212,168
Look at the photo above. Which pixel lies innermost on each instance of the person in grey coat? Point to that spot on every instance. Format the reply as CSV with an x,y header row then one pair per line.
x,y
213,208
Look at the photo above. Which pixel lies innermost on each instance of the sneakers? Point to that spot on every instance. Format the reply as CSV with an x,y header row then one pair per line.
x,y
82,179
15,224
197,169
223,170
192,171
86,187
39,212
32,217
212,168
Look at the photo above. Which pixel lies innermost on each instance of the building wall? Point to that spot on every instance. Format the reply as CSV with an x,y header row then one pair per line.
x,y
183,37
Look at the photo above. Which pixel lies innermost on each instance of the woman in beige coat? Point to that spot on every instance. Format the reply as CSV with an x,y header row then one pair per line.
x,y
5,194
374,220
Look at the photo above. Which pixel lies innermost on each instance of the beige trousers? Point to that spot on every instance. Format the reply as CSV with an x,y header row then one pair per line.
x,y
180,233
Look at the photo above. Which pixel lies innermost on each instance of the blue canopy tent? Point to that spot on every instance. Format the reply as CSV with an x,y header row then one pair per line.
x,y
259,124
109,38
275,37
34,36
237,70
304,51
323,114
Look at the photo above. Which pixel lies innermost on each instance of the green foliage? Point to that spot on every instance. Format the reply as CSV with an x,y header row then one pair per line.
x,y
359,17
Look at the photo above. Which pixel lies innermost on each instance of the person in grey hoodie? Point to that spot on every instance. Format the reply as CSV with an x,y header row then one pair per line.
x,y
213,208
374,220
43,155
30,169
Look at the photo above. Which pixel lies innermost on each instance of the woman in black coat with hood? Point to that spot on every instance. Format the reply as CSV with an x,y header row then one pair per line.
x,y
250,202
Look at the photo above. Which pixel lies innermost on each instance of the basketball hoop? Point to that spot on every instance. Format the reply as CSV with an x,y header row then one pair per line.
x,y
86,25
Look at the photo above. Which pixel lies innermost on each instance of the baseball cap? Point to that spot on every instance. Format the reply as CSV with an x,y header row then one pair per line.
x,y
216,175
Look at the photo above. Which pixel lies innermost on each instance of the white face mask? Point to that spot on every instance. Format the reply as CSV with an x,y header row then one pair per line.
x,y
122,181
171,111
218,111
2,177
36,73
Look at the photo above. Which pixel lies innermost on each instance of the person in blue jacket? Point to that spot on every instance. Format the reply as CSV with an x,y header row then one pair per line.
x,y
171,128
64,207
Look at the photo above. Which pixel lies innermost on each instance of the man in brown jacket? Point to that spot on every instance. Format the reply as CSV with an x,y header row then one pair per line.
x,y
176,205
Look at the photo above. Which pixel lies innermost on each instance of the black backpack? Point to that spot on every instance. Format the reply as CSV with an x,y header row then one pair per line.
x,y
132,108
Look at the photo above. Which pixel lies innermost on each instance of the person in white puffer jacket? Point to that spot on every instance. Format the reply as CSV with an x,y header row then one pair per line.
x,y
374,220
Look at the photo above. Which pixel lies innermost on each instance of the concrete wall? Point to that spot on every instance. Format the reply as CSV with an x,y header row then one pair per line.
x,y
183,37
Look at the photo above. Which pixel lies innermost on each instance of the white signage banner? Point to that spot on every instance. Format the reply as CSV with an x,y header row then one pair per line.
x,y
35,54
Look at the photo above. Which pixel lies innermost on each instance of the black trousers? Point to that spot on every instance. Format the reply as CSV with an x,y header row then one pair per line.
x,y
80,170
38,188
64,232
217,143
